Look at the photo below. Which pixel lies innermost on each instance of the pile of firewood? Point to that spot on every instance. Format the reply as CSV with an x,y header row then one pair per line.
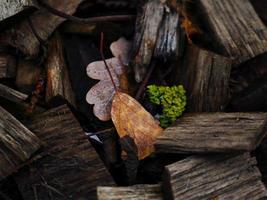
x,y
68,130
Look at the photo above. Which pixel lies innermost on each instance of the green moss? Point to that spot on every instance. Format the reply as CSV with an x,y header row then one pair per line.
x,y
172,99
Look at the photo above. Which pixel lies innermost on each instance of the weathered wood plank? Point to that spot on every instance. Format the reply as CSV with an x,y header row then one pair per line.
x,y
230,24
11,94
58,81
22,37
17,144
70,167
7,66
214,177
157,35
136,192
214,132
205,76
10,8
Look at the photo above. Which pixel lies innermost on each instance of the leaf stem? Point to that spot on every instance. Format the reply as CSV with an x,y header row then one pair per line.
x,y
103,58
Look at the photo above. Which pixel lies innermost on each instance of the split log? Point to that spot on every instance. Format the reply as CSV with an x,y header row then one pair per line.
x,y
27,76
42,22
58,81
69,168
214,177
7,66
136,192
214,132
11,94
10,8
205,76
228,24
17,144
157,35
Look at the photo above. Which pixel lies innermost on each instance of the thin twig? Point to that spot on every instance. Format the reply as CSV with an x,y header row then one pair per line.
x,y
103,58
145,81
83,20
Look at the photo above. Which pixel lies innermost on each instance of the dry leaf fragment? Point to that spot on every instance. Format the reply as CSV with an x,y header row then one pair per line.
x,y
102,93
131,119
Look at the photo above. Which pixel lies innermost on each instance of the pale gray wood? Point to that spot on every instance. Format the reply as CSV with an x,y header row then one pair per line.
x,y
17,144
234,177
135,192
9,8
213,132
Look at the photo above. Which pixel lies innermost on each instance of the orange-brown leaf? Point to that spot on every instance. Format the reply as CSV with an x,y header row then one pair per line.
x,y
131,119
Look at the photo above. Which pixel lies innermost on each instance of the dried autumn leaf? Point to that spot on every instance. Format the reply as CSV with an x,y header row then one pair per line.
x,y
102,93
131,119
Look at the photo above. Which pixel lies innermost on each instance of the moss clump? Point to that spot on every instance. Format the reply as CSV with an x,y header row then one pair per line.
x,y
172,99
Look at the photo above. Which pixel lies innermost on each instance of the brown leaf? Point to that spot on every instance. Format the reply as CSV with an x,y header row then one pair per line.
x,y
131,119
102,93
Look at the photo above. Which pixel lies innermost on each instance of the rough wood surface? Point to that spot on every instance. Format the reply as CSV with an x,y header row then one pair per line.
x,y
214,177
11,94
7,66
214,132
156,35
58,81
136,192
230,23
9,8
17,144
205,76
22,37
260,7
70,168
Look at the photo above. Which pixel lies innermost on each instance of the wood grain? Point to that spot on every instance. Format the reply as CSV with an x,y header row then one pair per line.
x,y
17,144
214,177
136,192
235,26
70,168
205,76
214,132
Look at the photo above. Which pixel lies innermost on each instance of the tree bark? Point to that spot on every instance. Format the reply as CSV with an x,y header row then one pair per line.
x,y
205,76
17,144
43,22
69,168
136,192
58,81
214,177
214,132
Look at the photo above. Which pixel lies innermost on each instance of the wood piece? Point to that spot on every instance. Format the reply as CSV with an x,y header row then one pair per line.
x,y
136,192
11,94
43,22
214,132
10,8
7,66
17,144
214,177
27,76
229,23
70,168
157,35
205,76
58,81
